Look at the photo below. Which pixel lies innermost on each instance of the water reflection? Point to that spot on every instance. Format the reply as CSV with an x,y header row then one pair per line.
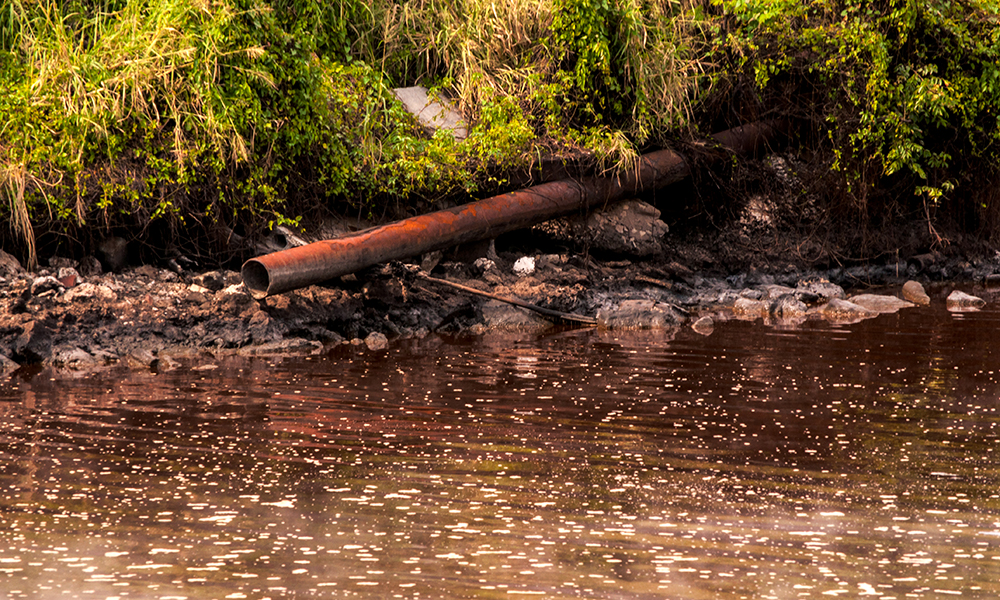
x,y
755,463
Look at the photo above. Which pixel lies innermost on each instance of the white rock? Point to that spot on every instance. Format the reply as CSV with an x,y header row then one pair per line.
x,y
914,292
90,291
524,266
376,341
880,303
959,300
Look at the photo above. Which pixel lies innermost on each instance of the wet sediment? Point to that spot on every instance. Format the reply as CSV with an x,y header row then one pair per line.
x,y
148,317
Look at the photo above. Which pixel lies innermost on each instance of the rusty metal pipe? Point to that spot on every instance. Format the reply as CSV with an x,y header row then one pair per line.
x,y
324,260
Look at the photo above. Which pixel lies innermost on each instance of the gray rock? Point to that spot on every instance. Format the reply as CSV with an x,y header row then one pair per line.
x,y
960,300
164,363
141,358
376,341
45,284
704,326
746,308
637,314
773,291
787,307
631,227
914,292
880,303
60,262
821,288
7,366
90,291
504,316
483,265
285,346
72,357
840,310
212,280
9,266
89,266
261,329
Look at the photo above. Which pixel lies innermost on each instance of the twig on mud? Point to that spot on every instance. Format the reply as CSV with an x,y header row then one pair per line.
x,y
547,312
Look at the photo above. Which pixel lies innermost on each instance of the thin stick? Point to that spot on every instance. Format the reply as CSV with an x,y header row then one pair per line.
x,y
547,312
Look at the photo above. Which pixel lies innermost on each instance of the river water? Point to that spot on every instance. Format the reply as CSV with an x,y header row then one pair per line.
x,y
759,462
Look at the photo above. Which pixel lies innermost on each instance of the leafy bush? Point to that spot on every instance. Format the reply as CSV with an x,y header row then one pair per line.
x,y
906,93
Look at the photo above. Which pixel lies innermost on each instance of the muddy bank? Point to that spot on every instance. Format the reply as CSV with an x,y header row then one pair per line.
x,y
71,316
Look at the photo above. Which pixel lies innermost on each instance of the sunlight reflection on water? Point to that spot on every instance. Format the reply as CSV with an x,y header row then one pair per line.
x,y
755,463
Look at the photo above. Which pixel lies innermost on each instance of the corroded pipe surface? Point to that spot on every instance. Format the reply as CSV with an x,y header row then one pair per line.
x,y
321,261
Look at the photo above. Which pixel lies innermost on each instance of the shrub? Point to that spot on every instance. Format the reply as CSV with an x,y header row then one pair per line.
x,y
905,93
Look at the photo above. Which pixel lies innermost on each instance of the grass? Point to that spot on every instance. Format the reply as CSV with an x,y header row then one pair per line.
x,y
243,114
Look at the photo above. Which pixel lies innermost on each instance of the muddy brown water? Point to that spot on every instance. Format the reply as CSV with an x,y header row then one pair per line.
x,y
759,462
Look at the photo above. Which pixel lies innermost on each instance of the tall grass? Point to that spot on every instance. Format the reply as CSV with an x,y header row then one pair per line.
x,y
93,74
482,50
228,108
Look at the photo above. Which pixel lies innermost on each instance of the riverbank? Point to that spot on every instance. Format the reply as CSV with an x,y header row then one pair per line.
x,y
70,316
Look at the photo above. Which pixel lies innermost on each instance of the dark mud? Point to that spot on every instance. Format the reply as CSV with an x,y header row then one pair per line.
x,y
154,317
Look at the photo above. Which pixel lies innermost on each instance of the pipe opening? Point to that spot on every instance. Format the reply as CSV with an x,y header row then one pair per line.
x,y
256,278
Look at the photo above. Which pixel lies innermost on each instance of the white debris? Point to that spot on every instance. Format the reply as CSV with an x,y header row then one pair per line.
x,y
524,266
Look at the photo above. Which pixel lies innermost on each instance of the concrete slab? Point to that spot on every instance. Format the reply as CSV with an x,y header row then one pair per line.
x,y
431,113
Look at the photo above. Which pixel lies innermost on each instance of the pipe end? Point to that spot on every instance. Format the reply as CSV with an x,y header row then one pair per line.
x,y
256,278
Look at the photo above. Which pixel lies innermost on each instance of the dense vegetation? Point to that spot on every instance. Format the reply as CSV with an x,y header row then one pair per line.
x,y
196,121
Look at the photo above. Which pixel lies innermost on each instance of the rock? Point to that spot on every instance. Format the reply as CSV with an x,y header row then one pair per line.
x,y
7,366
285,346
504,316
748,308
141,358
9,266
45,284
260,329
234,298
59,262
524,266
72,357
376,341
430,113
704,326
195,297
840,310
164,363
631,227
34,345
821,288
90,291
113,254
211,281
774,291
880,303
787,307
637,314
914,292
89,266
922,262
430,260
483,265
68,277
960,300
